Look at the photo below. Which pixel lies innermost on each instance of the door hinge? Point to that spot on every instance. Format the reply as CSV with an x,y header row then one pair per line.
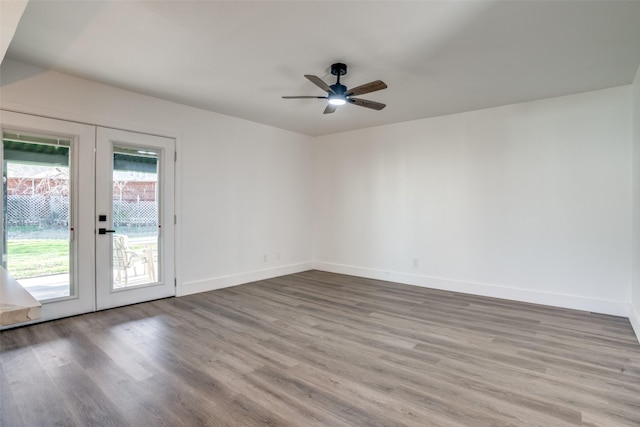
x,y
175,156
175,282
175,219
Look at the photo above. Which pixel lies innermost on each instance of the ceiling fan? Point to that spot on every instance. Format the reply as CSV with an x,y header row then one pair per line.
x,y
338,94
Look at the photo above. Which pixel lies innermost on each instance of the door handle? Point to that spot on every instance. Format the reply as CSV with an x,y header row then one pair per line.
x,y
105,231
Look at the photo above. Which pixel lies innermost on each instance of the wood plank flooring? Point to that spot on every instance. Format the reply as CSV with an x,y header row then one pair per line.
x,y
321,349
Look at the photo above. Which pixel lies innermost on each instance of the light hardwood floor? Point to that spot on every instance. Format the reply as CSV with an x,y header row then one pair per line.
x,y
321,349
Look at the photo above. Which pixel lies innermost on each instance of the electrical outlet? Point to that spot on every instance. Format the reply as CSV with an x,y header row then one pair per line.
x,y
264,259
278,255
416,263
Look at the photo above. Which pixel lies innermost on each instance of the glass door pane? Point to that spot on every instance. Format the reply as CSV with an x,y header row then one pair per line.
x,y
37,249
135,217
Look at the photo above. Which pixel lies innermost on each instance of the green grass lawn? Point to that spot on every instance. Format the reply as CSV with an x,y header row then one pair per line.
x,y
37,257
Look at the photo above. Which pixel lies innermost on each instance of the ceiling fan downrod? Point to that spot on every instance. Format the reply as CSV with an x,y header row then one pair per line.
x,y
338,69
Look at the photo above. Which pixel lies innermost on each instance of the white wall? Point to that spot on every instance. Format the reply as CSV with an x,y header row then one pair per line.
x,y
634,315
243,188
529,202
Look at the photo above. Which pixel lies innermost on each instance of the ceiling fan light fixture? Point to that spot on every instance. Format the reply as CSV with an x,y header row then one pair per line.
x,y
337,100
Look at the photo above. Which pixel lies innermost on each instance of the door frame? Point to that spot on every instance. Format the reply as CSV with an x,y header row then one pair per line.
x,y
19,116
106,138
81,271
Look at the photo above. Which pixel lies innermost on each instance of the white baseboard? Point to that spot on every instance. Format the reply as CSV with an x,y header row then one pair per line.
x,y
214,283
634,318
614,308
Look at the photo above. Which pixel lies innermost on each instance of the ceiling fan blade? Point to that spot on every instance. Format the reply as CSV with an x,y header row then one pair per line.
x,y
330,109
318,82
367,88
304,97
366,103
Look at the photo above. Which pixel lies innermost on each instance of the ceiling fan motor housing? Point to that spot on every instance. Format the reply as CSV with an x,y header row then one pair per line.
x,y
338,89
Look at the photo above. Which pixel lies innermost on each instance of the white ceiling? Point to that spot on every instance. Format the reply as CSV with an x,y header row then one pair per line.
x,y
239,57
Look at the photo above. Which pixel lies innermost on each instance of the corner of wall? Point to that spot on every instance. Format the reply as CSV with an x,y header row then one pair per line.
x,y
634,319
634,312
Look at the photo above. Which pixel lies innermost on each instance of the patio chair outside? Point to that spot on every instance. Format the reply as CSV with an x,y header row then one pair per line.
x,y
124,259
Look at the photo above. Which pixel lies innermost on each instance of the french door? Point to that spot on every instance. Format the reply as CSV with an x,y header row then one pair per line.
x,y
134,207
87,213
